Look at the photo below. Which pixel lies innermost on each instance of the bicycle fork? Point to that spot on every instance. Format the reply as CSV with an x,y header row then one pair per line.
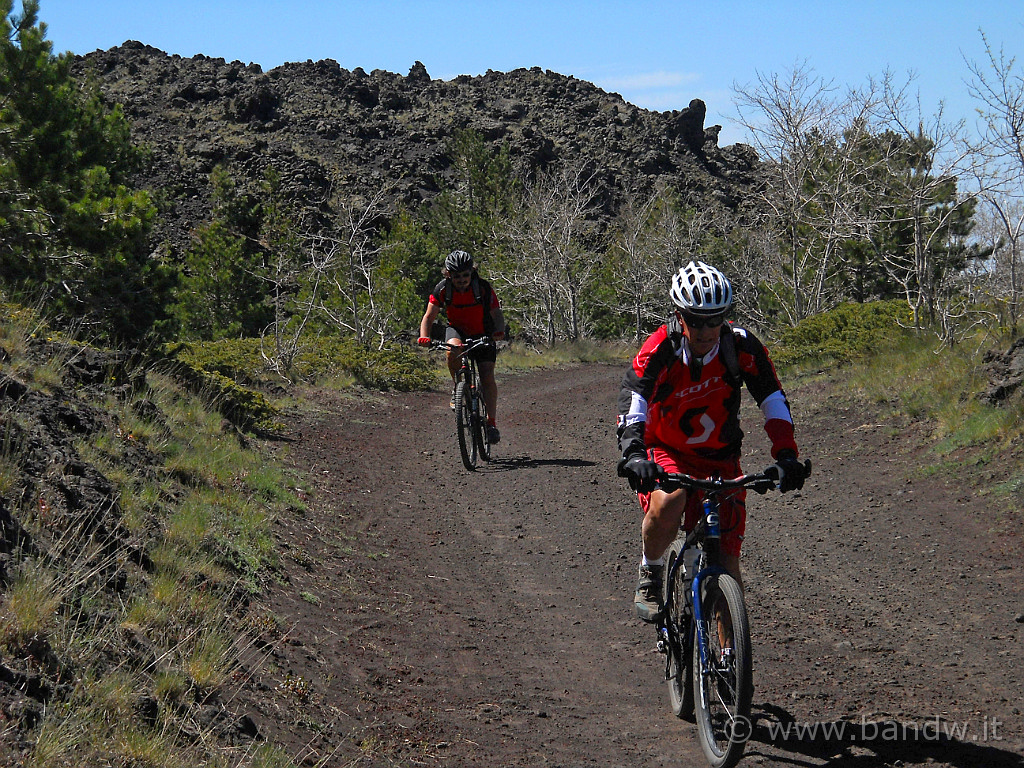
x,y
711,540
703,625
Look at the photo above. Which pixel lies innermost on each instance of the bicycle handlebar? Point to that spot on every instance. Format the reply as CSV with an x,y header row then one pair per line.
x,y
468,346
762,482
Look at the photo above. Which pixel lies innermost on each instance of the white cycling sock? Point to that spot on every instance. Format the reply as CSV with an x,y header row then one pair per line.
x,y
659,561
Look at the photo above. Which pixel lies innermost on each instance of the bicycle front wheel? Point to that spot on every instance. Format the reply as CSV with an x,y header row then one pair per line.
x,y
464,425
679,666
723,684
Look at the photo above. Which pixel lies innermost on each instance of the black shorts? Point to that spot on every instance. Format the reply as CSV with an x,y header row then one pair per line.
x,y
483,354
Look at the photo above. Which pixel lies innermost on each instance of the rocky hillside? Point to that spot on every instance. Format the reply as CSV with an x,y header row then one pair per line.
x,y
331,132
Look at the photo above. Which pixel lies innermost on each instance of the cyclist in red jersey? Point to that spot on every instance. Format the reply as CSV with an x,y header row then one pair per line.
x,y
472,309
679,412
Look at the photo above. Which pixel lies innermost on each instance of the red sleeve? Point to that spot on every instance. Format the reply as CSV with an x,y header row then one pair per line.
x,y
780,432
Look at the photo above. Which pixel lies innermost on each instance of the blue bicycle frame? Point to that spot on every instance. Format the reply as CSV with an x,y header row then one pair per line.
x,y
712,535
715,691
710,532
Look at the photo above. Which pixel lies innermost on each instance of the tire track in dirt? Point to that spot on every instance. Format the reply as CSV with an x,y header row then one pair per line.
x,y
450,618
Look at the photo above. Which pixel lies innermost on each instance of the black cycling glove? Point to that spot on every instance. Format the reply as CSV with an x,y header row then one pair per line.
x,y
642,474
792,471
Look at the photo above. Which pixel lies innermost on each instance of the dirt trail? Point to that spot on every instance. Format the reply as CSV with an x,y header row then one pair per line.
x,y
433,616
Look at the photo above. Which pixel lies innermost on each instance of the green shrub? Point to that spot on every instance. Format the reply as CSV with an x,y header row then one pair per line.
x,y
845,333
393,367
236,359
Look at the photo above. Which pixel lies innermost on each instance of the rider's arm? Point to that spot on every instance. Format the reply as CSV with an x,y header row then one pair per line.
x,y
778,423
433,310
499,321
637,390
493,307
632,421
763,383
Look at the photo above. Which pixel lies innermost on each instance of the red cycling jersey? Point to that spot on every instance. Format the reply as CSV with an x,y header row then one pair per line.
x,y
465,314
691,407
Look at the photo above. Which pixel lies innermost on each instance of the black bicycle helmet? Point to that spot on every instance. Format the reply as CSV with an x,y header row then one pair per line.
x,y
458,261
701,290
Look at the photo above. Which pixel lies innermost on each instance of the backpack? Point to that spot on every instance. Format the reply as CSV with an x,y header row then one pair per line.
x,y
481,289
478,294
727,351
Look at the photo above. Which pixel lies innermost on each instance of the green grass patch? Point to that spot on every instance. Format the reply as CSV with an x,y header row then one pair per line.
x,y
518,357
340,364
29,615
910,374
942,387
938,384
10,455
1012,489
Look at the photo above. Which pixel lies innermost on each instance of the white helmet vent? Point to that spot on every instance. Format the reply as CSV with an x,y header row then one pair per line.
x,y
701,289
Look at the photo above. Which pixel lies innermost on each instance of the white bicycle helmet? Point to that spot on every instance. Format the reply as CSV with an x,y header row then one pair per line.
x,y
701,290
458,261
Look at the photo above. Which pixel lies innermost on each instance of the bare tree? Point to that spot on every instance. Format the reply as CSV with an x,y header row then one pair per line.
x,y
808,133
1000,228
283,268
549,231
922,176
342,271
998,86
640,265
752,252
1000,90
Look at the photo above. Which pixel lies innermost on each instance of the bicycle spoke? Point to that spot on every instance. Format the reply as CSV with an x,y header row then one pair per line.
x,y
464,425
678,666
723,688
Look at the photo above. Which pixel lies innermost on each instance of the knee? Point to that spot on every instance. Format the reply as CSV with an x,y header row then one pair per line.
x,y
664,513
661,520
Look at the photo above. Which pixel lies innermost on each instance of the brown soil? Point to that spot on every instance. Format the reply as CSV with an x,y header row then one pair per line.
x,y
433,616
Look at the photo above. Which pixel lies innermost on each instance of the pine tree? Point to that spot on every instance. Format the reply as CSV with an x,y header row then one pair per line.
x,y
73,233
226,291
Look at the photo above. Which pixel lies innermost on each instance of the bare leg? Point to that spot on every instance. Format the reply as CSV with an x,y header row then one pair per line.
x,y
455,360
661,523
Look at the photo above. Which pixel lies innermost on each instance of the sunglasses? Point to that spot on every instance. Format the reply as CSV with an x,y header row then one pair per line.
x,y
699,321
463,275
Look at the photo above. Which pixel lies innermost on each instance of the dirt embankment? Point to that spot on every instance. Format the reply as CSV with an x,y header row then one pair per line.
x,y
437,617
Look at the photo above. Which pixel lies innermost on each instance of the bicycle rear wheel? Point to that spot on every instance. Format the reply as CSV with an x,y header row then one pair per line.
x,y
679,666
480,415
464,425
722,689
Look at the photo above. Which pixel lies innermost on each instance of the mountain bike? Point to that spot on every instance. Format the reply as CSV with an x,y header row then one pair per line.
x,y
470,408
703,630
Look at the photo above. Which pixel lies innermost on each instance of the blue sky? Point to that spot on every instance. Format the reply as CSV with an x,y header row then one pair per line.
x,y
657,55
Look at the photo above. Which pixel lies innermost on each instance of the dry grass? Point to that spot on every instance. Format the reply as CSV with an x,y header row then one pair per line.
x,y
200,505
